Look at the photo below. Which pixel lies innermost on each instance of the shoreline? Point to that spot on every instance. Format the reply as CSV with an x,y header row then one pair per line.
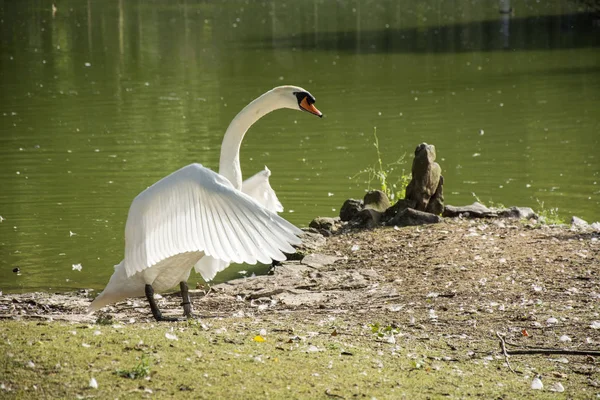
x,y
444,289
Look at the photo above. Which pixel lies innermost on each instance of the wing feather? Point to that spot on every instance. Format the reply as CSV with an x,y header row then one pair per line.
x,y
262,254
269,250
209,231
233,243
196,209
245,238
223,241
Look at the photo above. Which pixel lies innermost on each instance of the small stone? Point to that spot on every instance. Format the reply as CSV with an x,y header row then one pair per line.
x,y
368,218
475,210
518,213
410,217
376,200
316,260
577,222
325,223
350,209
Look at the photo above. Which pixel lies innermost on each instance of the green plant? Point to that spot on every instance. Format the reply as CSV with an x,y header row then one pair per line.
x,y
490,203
333,346
549,216
381,172
383,331
140,370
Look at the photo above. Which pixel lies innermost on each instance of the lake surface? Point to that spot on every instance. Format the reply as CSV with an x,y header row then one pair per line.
x,y
101,99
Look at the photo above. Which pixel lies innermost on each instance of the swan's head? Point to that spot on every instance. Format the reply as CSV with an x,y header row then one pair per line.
x,y
296,98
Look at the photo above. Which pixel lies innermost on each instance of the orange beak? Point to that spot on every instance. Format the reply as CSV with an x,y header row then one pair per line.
x,y
310,108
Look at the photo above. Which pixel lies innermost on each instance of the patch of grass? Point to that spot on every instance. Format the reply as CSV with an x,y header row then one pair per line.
x,y
488,204
383,331
394,189
140,370
549,216
49,360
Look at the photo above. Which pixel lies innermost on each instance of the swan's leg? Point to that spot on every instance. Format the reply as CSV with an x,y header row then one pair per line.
x,y
274,264
155,311
185,296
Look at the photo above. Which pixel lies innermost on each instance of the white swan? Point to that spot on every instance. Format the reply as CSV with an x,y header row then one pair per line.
x,y
196,217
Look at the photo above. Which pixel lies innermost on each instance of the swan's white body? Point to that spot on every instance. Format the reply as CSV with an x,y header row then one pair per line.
x,y
198,218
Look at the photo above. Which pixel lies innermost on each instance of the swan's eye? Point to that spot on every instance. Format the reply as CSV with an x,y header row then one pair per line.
x,y
304,95
306,103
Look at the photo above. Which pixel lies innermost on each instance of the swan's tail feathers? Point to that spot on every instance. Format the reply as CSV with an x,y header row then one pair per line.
x,y
102,300
119,288
208,267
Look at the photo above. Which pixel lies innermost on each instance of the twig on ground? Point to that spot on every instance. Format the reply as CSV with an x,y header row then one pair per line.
x,y
330,394
524,350
503,347
595,353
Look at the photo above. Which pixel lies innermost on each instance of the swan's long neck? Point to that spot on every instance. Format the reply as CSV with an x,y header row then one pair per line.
x,y
229,165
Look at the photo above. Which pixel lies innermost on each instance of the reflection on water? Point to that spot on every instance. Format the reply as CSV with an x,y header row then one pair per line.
x,y
504,33
100,100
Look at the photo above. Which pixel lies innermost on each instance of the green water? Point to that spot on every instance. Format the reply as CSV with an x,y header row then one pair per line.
x,y
103,98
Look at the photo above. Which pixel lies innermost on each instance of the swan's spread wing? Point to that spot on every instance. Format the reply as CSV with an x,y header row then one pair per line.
x,y
259,188
196,209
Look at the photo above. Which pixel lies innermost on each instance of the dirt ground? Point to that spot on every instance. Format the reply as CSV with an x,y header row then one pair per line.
x,y
454,284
